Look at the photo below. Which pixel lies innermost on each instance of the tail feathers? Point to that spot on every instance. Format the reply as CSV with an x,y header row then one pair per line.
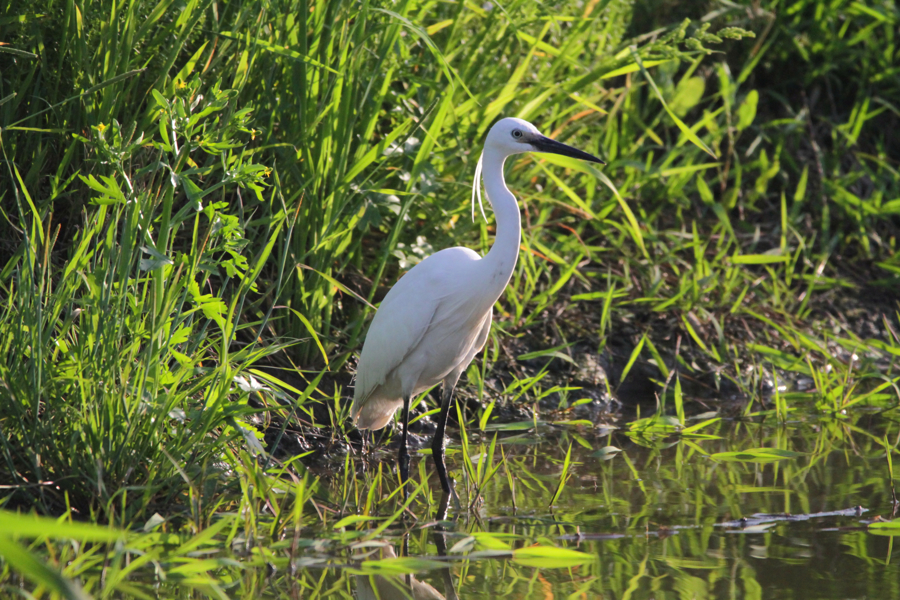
x,y
375,413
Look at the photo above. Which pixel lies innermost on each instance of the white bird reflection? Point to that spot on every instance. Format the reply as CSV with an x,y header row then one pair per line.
x,y
395,587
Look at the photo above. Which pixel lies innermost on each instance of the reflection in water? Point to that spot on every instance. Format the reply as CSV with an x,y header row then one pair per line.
x,y
569,513
388,587
664,516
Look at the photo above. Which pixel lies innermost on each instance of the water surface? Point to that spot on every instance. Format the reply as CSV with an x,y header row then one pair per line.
x,y
662,517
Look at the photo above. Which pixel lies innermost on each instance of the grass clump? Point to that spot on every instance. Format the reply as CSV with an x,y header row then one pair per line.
x,y
197,194
120,378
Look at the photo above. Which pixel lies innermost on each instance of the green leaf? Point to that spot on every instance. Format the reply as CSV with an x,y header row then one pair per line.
x,y
352,520
679,401
696,337
800,192
312,333
564,476
551,352
757,455
491,541
635,353
759,259
205,537
632,68
550,557
335,283
747,110
688,94
157,260
403,565
698,426
37,527
705,193
575,422
514,426
885,527
633,227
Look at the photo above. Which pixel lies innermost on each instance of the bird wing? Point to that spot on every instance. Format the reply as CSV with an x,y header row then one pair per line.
x,y
403,319
399,325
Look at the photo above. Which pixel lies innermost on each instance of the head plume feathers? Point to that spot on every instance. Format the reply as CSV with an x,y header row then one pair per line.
x,y
476,190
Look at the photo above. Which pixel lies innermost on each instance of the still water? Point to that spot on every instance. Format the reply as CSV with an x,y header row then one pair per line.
x,y
639,515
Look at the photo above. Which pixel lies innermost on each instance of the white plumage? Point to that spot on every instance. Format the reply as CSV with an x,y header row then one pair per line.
x,y
428,328
437,317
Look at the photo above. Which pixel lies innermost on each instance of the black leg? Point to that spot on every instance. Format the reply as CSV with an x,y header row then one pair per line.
x,y
403,456
437,444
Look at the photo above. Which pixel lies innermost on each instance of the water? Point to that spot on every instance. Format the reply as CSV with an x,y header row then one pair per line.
x,y
661,518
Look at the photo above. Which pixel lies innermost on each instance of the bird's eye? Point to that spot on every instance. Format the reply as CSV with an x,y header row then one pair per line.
x,y
516,133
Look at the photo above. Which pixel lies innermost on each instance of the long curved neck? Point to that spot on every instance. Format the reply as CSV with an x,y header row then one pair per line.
x,y
501,259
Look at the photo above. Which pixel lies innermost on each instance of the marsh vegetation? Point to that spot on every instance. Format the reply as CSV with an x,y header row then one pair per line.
x,y
690,386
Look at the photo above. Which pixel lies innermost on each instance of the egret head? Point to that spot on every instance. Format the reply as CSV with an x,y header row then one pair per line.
x,y
514,136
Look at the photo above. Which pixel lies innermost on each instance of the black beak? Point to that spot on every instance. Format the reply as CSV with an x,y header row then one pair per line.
x,y
545,144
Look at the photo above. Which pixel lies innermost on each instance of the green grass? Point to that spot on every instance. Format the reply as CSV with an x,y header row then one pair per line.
x,y
201,203
610,511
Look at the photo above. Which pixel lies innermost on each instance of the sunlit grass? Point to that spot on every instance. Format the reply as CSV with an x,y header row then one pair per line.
x,y
203,202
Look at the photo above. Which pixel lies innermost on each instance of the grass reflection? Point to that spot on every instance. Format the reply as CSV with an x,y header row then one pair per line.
x,y
661,518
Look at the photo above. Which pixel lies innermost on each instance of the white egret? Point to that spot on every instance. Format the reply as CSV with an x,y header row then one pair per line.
x,y
437,316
